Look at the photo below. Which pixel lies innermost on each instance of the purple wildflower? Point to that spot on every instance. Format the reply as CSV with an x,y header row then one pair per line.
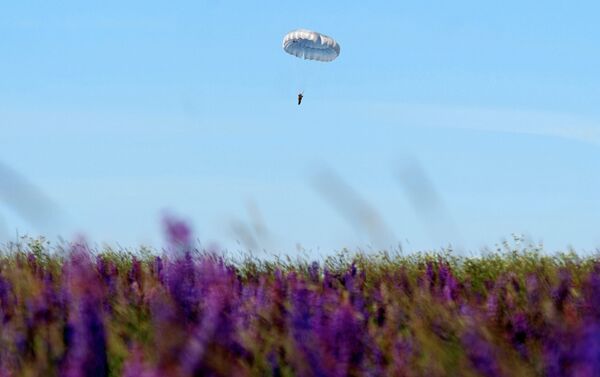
x,y
592,293
6,300
519,331
85,337
345,342
136,367
213,325
561,294
558,354
179,234
403,351
302,325
481,354
313,272
182,284
587,351
532,286
402,282
448,284
274,364
430,276
157,269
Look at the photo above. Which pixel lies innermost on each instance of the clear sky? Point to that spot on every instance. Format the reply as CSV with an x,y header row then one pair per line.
x,y
441,122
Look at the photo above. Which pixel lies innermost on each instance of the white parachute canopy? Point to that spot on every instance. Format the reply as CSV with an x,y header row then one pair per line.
x,y
311,45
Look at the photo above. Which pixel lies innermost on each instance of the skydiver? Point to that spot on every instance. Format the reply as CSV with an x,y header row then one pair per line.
x,y
300,96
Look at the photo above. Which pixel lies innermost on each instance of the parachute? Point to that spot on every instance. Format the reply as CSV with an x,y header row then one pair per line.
x,y
311,45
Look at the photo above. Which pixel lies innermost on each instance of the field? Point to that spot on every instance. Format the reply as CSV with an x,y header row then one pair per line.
x,y
70,310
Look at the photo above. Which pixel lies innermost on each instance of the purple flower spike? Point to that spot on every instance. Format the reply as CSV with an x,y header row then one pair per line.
x,y
430,274
84,333
532,287
328,279
135,273
6,300
274,364
213,327
448,284
519,333
313,272
592,293
561,294
86,355
157,269
303,332
178,232
182,284
345,341
481,354
559,352
588,352
135,366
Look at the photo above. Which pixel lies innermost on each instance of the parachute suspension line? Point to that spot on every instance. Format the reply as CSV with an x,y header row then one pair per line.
x,y
301,76
297,80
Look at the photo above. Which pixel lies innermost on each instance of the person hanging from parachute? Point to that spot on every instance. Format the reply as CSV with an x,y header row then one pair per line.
x,y
310,45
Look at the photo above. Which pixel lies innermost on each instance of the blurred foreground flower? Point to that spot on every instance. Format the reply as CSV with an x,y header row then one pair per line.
x,y
80,312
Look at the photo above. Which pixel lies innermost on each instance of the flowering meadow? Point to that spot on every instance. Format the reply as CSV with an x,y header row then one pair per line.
x,y
76,311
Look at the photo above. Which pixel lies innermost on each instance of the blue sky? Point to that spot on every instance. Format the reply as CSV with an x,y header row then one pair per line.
x,y
119,112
